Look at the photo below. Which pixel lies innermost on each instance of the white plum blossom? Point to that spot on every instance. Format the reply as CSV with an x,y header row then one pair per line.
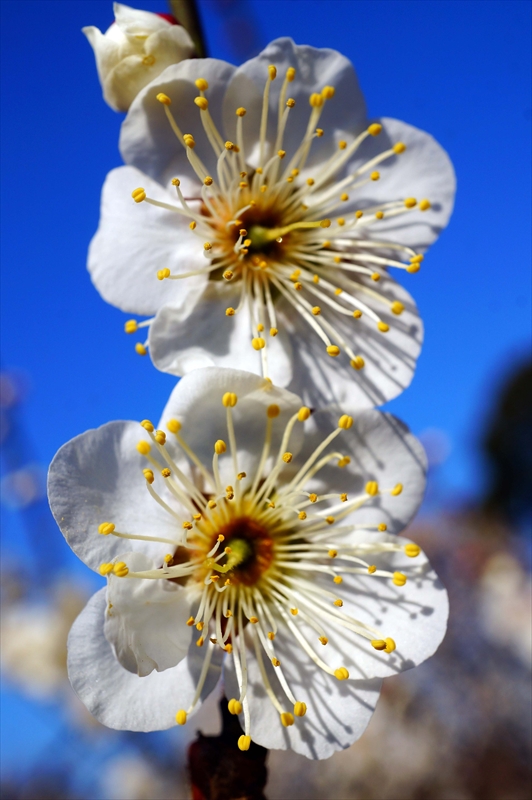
x,y
251,545
134,51
270,213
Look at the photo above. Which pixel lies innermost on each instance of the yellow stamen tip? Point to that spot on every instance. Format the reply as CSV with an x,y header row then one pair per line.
x,y
241,112
380,214
106,528
105,569
272,72
258,343
276,662
399,579
378,644
244,742
328,92
323,640
383,327
234,706
333,350
120,569
131,326
410,202
201,84
271,636
230,312
382,526
181,717
160,437
325,223
357,363
166,472
164,99
372,488
372,568
390,645
412,550
294,611
273,411
345,422
287,458
359,214
303,414
357,313
338,603
397,307
274,331
424,205
397,489
287,719
220,447
344,461
138,195
147,425
341,674
316,310
375,176
148,474
300,709
229,400
374,129
375,276
173,425
143,447
316,100
202,103
399,147
415,266
338,579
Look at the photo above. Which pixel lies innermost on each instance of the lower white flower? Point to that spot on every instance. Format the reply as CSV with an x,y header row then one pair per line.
x,y
261,541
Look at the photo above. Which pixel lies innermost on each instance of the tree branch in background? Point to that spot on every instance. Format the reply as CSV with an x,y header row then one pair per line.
x,y
186,13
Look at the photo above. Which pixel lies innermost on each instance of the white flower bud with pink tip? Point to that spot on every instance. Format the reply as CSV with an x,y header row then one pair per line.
x,y
136,48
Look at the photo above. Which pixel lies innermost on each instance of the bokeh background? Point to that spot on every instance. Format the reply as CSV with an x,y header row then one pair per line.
x,y
457,728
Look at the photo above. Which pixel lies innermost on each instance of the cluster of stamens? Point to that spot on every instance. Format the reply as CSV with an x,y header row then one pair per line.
x,y
250,556
264,227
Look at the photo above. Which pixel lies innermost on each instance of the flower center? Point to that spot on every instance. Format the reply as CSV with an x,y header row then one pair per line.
x,y
249,550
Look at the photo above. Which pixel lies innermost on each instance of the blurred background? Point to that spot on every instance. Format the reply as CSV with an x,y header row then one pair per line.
x,y
457,728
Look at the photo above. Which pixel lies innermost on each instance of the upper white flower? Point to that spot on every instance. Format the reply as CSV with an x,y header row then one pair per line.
x,y
273,211
136,48
254,539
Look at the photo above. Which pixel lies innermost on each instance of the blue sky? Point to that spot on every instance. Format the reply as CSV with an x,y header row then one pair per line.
x,y
460,70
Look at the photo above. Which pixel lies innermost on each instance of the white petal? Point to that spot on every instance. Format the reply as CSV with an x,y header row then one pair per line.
x,y
106,51
182,339
146,138
337,711
134,241
314,69
196,402
146,620
120,699
423,171
382,449
390,358
414,615
97,477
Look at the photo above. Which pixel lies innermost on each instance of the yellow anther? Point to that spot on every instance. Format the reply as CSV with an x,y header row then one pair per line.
x,y
357,362
106,528
189,140
319,132
258,343
333,350
316,310
424,205
202,103
382,526
200,641
383,327
338,579
341,674
274,331
303,414
399,147
342,144
399,579
273,411
147,425
397,489
228,613
190,622
242,232
276,662
412,550
173,425
325,223
337,260
415,266
229,146
332,553
323,640
240,476
148,60
294,611
131,326
372,488
272,72
372,568
176,182
418,257
163,273
338,603
343,497
220,447
379,214
375,276
290,74
228,275
302,515
271,636
228,647
344,461
357,313
345,422
375,176
200,626
166,472
208,181
397,307
201,84
181,717
241,112
120,569
344,197
316,100
160,437
328,92
229,400
229,495
359,214
310,181
244,742
143,447
287,719
374,129
168,558
390,645
410,202
253,620
234,706
148,474
212,503
298,286
287,457
164,99
230,312
187,526
290,102
378,644
105,569
340,221
316,278
300,709
192,225
138,195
